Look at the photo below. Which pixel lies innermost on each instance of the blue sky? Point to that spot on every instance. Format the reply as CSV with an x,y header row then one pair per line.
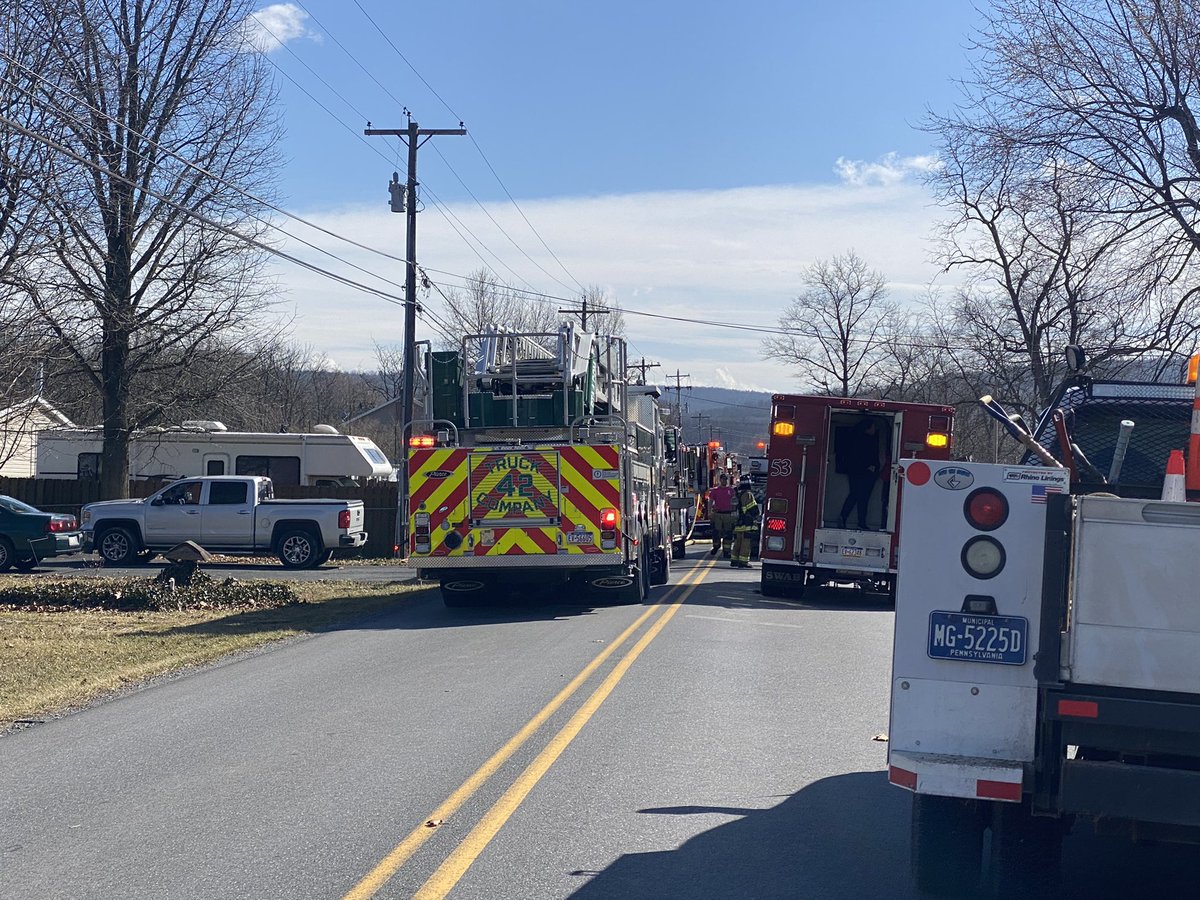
x,y
688,158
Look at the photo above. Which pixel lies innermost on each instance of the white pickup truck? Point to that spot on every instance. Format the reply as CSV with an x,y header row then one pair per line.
x,y
224,514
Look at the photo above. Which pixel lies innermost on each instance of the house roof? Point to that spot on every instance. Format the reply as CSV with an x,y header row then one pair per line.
x,y
43,406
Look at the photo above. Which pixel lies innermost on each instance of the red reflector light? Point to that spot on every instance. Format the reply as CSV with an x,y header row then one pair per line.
x,y
775,523
998,790
986,509
902,777
1080,709
344,519
608,518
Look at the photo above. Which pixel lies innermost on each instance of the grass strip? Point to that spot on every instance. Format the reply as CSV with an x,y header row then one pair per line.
x,y
54,658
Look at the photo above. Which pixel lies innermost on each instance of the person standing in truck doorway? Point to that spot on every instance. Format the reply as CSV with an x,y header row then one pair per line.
x,y
860,457
720,511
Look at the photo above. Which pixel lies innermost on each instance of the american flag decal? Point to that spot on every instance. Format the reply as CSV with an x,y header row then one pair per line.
x,y
1041,491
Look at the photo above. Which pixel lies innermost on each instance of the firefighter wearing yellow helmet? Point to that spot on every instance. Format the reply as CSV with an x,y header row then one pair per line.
x,y
746,510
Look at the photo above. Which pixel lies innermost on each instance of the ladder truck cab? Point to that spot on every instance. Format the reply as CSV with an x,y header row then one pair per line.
x,y
1047,633
804,539
541,468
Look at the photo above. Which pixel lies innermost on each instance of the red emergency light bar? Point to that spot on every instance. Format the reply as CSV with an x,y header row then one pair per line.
x,y
422,440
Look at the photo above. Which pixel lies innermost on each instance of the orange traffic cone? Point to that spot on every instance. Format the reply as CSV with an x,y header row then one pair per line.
x,y
1174,485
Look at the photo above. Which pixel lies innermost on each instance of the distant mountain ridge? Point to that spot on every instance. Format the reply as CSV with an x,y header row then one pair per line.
x,y
739,419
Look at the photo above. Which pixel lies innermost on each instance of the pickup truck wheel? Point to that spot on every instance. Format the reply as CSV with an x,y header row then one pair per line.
x,y
25,563
299,549
118,546
947,845
7,556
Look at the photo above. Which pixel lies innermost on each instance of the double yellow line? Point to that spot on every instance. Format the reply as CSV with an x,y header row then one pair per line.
x,y
456,864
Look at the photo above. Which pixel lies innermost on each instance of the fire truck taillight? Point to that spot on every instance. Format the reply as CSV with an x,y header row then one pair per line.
x,y
985,509
783,429
776,524
608,529
421,532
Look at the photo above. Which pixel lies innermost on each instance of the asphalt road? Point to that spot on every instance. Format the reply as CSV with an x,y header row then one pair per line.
x,y
721,747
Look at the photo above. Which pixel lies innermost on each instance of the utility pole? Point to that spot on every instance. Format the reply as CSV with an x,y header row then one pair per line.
x,y
699,424
679,386
642,367
583,313
411,136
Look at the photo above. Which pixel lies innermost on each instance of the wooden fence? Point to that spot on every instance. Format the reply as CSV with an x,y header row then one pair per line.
x,y
68,496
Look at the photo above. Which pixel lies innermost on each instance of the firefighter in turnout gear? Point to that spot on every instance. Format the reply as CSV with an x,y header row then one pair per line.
x,y
746,509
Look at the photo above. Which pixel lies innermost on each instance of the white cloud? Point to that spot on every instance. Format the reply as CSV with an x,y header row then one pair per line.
x,y
714,256
891,169
269,28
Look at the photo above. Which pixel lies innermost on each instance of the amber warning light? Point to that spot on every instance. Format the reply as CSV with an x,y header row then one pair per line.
x,y
937,439
783,429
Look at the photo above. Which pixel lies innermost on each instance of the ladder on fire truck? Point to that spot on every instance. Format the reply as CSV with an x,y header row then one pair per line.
x,y
542,379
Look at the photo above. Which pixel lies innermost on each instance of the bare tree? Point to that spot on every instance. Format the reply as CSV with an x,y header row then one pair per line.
x,y
1046,263
168,133
487,302
1108,87
834,333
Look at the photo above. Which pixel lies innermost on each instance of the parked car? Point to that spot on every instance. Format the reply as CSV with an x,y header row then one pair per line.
x,y
28,535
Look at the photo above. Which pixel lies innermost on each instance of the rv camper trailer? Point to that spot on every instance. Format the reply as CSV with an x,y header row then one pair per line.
x,y
321,457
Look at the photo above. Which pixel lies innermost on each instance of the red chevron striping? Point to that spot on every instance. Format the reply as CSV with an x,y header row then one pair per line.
x,y
609,490
436,517
426,486
545,542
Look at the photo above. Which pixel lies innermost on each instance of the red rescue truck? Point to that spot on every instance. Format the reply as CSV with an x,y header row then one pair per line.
x,y
804,540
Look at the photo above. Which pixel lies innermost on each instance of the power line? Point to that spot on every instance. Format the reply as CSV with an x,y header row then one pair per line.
x,y
532,294
478,148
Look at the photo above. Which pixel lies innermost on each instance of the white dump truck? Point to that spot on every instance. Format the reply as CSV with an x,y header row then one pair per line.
x,y
1045,672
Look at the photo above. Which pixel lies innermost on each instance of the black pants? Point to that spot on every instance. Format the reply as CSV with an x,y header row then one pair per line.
x,y
862,484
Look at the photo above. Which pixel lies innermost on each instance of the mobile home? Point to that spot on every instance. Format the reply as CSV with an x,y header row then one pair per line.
x,y
321,457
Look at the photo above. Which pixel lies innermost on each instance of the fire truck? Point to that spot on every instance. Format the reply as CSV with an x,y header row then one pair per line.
x,y
704,464
804,540
541,467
